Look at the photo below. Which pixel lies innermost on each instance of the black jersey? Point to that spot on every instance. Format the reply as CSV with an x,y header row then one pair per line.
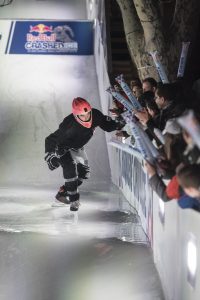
x,y
72,134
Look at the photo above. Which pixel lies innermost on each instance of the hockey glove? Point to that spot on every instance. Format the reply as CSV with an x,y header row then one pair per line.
x,y
52,161
120,124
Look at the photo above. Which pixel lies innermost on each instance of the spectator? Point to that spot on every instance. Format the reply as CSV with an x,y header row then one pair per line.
x,y
167,106
172,146
145,98
135,81
171,191
189,179
167,166
150,104
137,91
158,185
147,101
191,155
118,107
149,84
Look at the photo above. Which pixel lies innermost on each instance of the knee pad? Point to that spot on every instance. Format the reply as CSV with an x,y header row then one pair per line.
x,y
70,170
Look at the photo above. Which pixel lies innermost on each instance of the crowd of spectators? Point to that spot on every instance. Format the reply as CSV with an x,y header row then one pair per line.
x,y
176,172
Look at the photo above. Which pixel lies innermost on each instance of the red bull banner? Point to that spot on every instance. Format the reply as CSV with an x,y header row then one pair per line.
x,y
51,37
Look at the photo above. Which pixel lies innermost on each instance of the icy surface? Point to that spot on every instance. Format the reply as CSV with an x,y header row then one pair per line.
x,y
101,215
48,253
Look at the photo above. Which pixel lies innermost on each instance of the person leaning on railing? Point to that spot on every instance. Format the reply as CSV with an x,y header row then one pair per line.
x,y
175,148
168,107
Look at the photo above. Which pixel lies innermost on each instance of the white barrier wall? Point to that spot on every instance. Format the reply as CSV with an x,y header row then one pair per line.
x,y
128,174
170,229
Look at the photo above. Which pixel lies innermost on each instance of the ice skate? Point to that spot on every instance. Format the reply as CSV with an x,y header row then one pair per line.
x,y
61,199
74,206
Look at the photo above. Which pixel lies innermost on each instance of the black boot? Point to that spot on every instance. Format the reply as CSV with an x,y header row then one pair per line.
x,y
62,195
74,206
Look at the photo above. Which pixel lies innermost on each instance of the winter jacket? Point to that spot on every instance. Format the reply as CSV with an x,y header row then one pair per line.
x,y
173,191
166,193
72,134
173,110
191,155
186,201
159,187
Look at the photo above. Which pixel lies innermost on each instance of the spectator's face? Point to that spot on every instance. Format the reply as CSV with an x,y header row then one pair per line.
x,y
137,91
151,112
190,191
117,88
160,101
146,86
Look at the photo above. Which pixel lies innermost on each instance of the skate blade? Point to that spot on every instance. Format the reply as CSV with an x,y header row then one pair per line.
x,y
73,209
59,204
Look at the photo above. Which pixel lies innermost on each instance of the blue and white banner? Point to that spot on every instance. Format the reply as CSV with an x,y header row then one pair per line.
x,y
50,37
159,67
183,59
127,104
128,92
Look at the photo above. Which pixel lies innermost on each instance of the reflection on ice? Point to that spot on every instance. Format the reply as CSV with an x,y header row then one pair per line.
x,y
101,215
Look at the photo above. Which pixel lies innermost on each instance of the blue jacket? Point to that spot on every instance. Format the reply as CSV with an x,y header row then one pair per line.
x,y
186,201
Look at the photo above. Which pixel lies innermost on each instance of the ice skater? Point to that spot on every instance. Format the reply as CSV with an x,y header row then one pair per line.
x,y
65,148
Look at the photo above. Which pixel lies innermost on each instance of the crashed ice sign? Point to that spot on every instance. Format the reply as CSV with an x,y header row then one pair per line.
x,y
45,37
59,39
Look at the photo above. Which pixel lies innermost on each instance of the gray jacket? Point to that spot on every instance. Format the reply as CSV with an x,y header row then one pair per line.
x,y
159,187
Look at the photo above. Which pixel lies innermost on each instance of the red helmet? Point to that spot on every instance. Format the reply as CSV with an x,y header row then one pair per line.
x,y
81,107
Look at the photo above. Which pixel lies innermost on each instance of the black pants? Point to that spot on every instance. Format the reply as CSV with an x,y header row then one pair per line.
x,y
75,170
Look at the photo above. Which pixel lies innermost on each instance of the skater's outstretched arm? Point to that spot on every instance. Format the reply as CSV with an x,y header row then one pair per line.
x,y
106,123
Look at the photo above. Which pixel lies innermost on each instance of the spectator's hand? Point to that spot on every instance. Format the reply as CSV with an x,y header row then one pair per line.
x,y
163,163
143,116
52,161
120,124
164,167
151,171
114,112
122,134
119,134
151,112
187,138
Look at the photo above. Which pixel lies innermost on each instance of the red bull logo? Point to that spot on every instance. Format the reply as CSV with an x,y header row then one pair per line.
x,y
42,38
41,28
